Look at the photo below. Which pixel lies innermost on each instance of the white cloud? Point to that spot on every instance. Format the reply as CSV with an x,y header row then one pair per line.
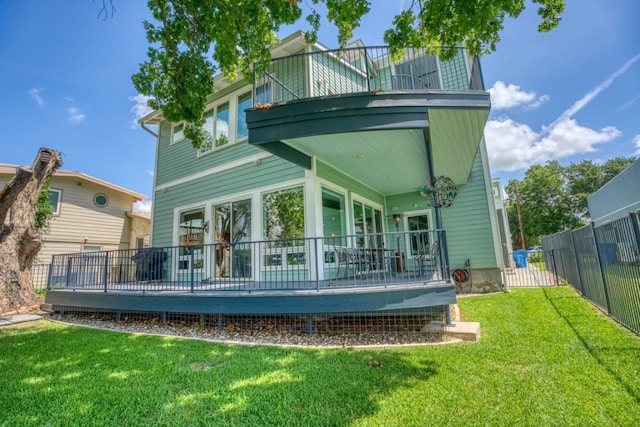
x,y
143,206
636,142
509,96
515,146
140,109
75,115
35,94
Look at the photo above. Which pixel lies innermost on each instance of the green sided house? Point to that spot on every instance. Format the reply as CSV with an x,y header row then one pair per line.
x,y
339,181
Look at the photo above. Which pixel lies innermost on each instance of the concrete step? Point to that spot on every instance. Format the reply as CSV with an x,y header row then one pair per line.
x,y
466,331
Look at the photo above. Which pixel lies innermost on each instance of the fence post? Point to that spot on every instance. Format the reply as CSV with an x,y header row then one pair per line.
x,y
555,269
604,276
575,251
366,67
636,228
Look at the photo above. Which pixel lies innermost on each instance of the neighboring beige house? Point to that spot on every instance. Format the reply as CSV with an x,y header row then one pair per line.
x,y
89,215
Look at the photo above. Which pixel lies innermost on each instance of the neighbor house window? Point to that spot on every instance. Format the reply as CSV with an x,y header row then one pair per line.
x,y
100,200
54,198
244,102
177,133
216,128
283,216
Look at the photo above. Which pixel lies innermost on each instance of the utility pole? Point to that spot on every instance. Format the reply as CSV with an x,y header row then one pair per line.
x,y
519,217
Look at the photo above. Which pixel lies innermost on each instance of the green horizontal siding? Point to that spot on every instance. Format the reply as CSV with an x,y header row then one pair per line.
x,y
325,171
468,225
454,73
243,178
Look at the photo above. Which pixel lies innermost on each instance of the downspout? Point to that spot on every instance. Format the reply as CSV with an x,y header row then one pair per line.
x,y
152,133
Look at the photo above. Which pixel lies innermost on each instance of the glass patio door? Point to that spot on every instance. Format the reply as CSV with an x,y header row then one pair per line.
x,y
232,237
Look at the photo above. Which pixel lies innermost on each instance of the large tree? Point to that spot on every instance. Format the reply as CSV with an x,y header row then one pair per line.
x,y
21,224
193,40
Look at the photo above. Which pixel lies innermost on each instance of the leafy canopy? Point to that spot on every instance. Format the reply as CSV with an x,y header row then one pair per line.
x,y
192,40
554,197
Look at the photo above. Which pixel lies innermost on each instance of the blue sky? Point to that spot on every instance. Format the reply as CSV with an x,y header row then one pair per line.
x,y
65,83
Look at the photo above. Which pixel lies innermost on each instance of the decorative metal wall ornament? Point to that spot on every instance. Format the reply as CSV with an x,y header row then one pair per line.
x,y
444,187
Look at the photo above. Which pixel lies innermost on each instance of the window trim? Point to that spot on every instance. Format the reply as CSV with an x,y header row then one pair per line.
x,y
405,225
173,132
95,196
56,211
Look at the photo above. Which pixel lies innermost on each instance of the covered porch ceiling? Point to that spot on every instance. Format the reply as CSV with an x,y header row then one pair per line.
x,y
389,161
380,141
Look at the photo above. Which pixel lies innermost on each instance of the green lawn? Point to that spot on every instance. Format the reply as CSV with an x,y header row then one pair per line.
x,y
546,357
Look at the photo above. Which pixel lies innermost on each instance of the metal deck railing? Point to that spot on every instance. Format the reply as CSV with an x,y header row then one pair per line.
x,y
362,69
317,263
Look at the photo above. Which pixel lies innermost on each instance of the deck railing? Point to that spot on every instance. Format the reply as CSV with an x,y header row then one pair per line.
x,y
318,263
362,69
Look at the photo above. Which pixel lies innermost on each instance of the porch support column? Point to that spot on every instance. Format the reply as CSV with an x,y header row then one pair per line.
x,y
444,253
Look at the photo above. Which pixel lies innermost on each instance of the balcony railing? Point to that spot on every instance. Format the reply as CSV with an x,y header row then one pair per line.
x,y
363,69
321,263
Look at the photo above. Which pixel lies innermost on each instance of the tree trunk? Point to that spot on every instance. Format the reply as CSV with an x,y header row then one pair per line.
x,y
19,239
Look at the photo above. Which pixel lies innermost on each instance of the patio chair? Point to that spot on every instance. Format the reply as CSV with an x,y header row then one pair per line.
x,y
428,260
348,261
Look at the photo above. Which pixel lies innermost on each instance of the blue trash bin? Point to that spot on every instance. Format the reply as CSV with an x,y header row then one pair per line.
x,y
520,257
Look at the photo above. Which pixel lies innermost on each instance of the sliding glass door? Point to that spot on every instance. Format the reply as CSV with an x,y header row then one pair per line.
x,y
232,236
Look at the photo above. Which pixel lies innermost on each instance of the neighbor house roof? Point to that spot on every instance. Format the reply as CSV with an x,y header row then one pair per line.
x,y
10,169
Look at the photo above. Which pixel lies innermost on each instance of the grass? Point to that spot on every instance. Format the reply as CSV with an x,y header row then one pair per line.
x,y
546,358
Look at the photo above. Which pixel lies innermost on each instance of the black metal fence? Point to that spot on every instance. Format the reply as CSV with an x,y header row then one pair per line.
x,y
603,264
525,269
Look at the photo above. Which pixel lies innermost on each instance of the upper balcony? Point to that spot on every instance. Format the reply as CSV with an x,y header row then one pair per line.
x,y
363,69
410,119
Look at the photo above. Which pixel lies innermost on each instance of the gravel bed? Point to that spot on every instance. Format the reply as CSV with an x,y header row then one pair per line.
x,y
270,335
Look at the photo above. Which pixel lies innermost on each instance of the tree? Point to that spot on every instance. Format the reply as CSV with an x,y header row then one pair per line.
x,y
544,203
553,197
22,224
192,40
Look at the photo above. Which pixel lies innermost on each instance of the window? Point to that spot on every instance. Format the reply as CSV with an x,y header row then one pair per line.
x,y
263,94
244,102
416,224
100,200
367,221
283,216
333,215
216,128
177,133
55,197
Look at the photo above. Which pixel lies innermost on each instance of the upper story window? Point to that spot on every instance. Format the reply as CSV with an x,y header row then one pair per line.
x,y
216,127
244,102
177,132
55,196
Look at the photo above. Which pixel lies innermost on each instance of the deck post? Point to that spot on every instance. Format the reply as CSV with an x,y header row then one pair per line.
x,y
447,315
105,273
191,269
309,324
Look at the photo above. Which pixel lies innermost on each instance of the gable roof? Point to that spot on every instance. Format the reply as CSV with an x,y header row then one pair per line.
x,y
10,169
